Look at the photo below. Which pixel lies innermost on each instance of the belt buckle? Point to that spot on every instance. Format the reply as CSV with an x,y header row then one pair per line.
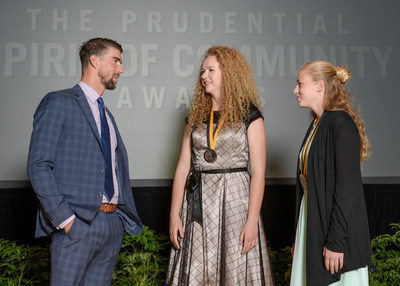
x,y
107,208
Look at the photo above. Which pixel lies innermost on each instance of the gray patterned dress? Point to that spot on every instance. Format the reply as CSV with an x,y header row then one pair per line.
x,y
210,253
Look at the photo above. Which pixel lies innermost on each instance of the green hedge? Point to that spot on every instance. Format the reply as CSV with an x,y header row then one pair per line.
x,y
143,261
384,271
385,268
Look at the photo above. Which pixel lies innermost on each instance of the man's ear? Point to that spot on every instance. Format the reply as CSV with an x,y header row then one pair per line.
x,y
94,61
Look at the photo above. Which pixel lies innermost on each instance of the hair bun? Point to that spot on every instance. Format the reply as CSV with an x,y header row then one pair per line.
x,y
343,74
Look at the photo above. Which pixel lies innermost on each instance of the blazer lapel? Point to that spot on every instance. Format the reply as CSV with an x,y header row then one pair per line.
x,y
82,101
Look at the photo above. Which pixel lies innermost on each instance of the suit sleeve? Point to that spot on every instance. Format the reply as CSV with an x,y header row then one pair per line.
x,y
347,183
48,128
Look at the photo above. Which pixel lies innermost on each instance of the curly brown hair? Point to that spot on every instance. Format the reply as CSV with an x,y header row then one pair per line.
x,y
238,90
337,97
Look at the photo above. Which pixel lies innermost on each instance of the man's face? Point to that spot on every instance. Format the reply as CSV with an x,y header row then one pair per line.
x,y
110,68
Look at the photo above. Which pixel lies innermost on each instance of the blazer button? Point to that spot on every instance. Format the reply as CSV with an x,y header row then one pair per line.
x,y
101,171
100,194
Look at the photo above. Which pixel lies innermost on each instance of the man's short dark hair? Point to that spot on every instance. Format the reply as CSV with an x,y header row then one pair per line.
x,y
96,46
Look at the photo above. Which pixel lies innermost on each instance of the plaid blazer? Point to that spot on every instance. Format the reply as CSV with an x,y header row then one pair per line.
x,y
66,164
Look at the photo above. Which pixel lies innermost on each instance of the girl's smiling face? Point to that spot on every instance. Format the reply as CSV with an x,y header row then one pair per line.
x,y
211,76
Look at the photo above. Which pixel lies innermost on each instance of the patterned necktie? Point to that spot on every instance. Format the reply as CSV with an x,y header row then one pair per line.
x,y
105,142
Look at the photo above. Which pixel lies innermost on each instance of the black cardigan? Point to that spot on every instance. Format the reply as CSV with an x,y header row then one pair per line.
x,y
336,211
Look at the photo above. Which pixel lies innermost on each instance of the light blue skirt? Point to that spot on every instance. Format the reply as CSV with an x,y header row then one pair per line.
x,y
357,277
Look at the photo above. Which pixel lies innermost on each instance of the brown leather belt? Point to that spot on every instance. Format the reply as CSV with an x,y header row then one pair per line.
x,y
108,208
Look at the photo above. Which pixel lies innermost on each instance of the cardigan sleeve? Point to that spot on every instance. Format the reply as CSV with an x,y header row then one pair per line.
x,y
347,182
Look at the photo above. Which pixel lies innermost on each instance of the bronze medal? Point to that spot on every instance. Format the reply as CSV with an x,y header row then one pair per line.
x,y
303,181
304,154
210,156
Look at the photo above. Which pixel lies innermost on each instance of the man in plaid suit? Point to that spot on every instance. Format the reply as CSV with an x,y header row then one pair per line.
x,y
67,167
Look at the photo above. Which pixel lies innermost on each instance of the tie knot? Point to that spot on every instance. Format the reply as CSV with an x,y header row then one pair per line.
x,y
100,101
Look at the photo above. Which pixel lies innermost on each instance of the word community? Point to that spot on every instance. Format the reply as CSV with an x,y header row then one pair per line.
x,y
54,59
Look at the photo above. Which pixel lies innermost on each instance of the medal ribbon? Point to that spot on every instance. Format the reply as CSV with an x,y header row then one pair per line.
x,y
306,146
212,135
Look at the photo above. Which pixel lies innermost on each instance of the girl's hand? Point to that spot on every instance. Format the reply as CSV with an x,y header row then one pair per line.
x,y
175,229
333,260
248,237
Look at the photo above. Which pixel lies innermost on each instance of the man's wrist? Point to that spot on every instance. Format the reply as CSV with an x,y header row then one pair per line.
x,y
66,222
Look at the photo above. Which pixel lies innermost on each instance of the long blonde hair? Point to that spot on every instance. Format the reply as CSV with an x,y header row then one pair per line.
x,y
238,89
337,97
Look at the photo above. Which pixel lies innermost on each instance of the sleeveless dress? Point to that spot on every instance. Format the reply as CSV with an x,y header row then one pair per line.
x,y
210,253
357,277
